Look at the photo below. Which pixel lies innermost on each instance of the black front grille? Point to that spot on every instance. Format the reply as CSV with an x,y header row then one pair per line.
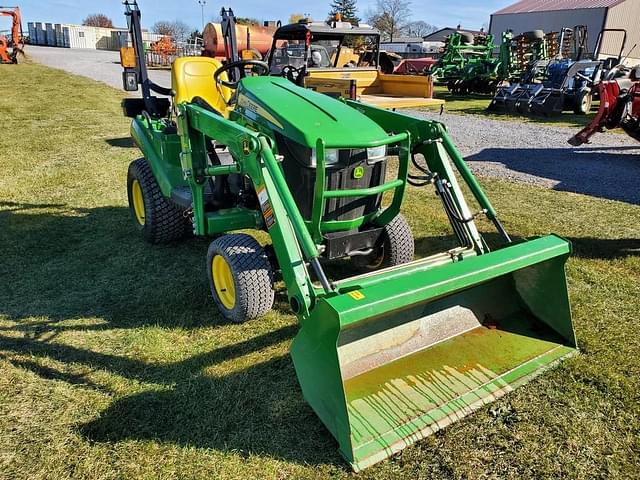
x,y
301,176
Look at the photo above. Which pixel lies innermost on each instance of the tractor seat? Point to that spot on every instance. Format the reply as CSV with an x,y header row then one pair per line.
x,y
192,78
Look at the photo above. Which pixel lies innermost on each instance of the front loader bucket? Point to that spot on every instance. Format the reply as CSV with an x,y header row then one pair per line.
x,y
498,103
549,103
402,353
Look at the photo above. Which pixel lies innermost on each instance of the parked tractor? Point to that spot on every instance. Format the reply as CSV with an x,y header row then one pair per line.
x,y
619,105
13,45
385,356
343,60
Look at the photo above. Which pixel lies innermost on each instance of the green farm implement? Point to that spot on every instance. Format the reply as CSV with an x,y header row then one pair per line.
x,y
468,64
398,351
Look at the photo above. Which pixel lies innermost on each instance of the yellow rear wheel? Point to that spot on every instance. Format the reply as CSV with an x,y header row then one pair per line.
x,y
138,201
154,215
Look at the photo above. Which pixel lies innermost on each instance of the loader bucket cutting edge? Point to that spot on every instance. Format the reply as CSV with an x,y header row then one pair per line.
x,y
392,362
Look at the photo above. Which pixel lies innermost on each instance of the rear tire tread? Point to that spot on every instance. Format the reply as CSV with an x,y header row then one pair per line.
x,y
164,220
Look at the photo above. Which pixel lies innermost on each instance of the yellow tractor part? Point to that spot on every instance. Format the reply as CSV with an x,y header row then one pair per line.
x,y
376,88
192,78
138,201
223,281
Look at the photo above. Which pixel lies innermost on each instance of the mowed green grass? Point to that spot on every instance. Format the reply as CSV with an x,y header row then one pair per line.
x,y
115,365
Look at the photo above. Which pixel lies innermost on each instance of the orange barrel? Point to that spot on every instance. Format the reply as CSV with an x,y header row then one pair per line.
x,y
259,38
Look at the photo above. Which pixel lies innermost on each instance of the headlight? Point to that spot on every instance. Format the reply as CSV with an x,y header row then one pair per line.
x,y
331,157
376,154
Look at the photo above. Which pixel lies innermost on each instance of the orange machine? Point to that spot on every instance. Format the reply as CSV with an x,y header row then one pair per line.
x,y
249,37
11,46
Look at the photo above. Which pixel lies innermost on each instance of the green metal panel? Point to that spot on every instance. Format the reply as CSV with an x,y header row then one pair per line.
x,y
227,220
398,355
282,105
162,151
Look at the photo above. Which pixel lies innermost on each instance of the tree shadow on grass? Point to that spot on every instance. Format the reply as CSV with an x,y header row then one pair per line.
x,y
582,247
605,248
61,263
249,411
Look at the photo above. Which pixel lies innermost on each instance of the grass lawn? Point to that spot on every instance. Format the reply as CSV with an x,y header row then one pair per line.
x,y
476,104
115,365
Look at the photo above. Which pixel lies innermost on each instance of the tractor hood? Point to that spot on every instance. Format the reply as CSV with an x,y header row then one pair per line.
x,y
304,115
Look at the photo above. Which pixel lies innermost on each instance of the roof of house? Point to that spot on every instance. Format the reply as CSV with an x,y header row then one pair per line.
x,y
406,40
527,6
443,33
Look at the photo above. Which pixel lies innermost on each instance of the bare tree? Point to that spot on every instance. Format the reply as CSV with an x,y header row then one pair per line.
x,y
98,20
163,28
390,17
420,29
177,30
181,30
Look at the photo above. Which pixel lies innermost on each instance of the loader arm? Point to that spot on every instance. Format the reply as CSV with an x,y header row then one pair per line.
x,y
16,23
291,239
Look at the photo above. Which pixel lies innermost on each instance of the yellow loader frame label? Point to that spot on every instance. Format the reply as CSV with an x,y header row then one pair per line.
x,y
357,295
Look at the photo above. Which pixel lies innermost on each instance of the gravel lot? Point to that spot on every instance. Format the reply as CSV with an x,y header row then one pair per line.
x,y
539,154
101,65
524,152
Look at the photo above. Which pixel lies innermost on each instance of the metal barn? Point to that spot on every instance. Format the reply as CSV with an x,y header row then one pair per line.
x,y
553,15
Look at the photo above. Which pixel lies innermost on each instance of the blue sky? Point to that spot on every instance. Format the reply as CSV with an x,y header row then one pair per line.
x,y
470,13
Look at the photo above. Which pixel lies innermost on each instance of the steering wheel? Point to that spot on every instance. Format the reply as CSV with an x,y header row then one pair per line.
x,y
293,74
263,69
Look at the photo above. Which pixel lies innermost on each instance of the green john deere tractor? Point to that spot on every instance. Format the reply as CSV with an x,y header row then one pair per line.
x,y
385,357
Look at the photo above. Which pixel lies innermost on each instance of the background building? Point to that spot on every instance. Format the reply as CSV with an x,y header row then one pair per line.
x,y
442,34
553,15
82,36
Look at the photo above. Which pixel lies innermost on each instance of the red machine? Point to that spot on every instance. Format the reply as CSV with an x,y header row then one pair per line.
x,y
414,66
14,44
619,106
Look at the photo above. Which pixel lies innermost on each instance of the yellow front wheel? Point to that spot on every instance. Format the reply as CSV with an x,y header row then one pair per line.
x,y
223,281
240,277
396,247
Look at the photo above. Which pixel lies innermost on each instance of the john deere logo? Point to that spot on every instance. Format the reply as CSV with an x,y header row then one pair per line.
x,y
358,172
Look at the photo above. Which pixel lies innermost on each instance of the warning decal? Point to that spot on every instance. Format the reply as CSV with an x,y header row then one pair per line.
x,y
265,206
356,295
